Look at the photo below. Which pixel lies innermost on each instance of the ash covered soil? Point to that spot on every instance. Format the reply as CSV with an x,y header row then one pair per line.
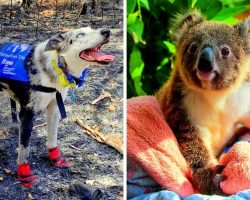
x,y
94,163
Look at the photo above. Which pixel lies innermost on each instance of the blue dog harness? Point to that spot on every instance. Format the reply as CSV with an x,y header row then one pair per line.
x,y
15,60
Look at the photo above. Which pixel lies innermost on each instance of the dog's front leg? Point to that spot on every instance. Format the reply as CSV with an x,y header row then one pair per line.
x,y
26,116
53,117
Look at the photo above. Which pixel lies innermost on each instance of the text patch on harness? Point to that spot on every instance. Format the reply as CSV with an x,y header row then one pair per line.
x,y
13,60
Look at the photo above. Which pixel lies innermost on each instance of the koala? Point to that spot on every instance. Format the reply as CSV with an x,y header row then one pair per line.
x,y
208,93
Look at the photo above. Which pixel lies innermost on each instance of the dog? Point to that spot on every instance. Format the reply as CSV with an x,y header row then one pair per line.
x,y
52,67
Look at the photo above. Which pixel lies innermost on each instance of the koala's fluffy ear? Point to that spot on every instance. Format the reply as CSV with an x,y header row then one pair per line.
x,y
243,30
54,42
182,22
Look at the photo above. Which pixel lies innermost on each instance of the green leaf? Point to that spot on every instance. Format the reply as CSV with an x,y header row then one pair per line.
x,y
235,3
181,4
130,88
131,6
163,71
132,18
138,87
136,63
145,4
230,20
165,6
135,26
136,66
191,3
163,74
209,8
229,12
170,46
165,61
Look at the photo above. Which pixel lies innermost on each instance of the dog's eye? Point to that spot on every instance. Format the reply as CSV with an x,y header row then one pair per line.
x,y
80,35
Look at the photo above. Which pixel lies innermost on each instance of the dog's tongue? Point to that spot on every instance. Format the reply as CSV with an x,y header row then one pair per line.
x,y
96,55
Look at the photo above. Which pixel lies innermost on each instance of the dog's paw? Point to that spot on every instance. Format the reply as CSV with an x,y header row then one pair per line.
x,y
62,163
29,181
25,175
56,159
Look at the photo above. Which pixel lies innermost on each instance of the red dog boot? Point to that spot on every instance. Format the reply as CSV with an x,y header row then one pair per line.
x,y
56,158
25,175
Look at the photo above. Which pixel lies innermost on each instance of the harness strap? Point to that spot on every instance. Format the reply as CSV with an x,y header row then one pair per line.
x,y
60,105
59,99
40,88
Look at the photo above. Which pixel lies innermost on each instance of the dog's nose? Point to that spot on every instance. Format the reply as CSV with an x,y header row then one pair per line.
x,y
105,32
206,60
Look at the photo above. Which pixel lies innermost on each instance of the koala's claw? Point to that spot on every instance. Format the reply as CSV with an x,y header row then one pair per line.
x,y
218,169
216,181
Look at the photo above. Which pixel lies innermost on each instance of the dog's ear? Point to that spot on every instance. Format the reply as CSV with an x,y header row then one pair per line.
x,y
54,42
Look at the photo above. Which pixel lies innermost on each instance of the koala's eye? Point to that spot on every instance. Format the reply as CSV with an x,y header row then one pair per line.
x,y
193,48
225,51
80,35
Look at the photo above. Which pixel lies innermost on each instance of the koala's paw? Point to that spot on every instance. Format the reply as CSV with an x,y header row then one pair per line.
x,y
204,181
218,177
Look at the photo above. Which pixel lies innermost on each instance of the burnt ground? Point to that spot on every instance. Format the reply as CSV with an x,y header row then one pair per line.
x,y
95,164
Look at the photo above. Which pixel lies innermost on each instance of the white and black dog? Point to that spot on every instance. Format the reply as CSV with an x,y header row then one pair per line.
x,y
52,67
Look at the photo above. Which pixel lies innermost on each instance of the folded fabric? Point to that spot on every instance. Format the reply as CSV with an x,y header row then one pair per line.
x,y
163,195
167,195
138,181
152,144
236,168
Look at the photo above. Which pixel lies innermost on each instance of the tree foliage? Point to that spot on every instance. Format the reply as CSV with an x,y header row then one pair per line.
x,y
150,49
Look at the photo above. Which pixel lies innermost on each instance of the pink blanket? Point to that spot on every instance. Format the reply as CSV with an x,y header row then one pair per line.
x,y
152,144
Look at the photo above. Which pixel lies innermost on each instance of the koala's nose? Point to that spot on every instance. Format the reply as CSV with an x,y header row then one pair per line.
x,y
105,32
206,60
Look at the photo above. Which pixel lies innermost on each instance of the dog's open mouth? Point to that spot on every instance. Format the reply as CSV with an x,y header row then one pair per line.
x,y
95,55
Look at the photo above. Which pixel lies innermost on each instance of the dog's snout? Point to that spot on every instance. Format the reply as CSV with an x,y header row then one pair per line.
x,y
206,60
105,32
